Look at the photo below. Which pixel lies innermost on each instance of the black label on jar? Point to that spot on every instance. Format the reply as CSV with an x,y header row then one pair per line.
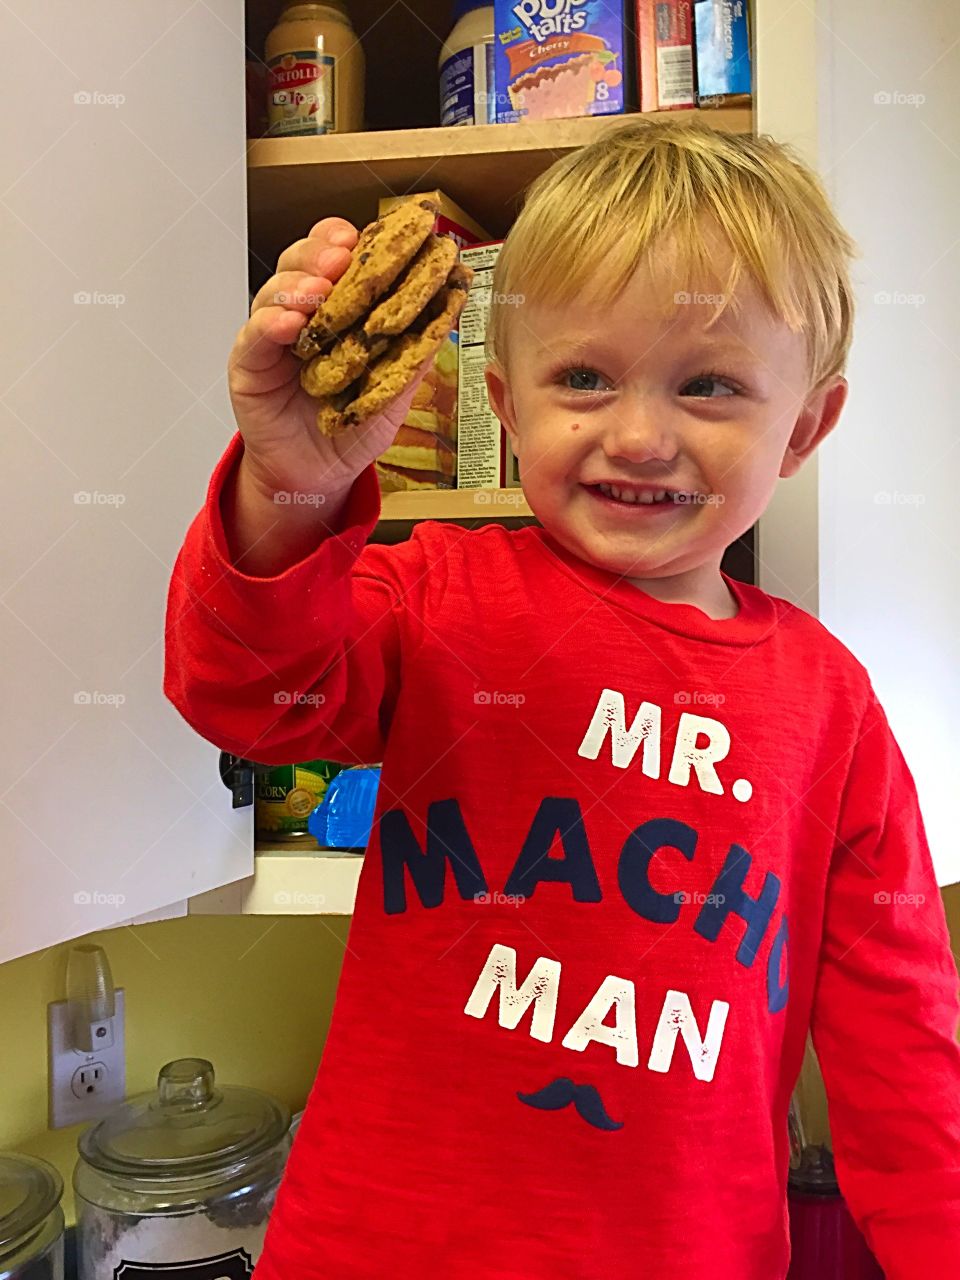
x,y
225,1266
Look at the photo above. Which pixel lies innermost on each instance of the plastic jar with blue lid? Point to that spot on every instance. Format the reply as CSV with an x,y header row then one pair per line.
x,y
467,92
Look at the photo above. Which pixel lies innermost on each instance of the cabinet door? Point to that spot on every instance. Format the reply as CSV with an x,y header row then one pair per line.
x,y
124,267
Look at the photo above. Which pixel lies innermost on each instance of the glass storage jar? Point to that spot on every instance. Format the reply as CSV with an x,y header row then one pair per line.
x,y
31,1220
183,1177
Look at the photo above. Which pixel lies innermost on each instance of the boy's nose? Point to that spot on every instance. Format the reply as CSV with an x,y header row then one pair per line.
x,y
639,433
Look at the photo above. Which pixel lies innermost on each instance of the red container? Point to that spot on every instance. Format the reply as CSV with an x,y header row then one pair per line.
x,y
825,1242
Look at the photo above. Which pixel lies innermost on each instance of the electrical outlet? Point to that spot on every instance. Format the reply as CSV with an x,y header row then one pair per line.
x,y
84,1086
90,1079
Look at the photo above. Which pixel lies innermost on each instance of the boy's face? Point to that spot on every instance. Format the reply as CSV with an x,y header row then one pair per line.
x,y
645,395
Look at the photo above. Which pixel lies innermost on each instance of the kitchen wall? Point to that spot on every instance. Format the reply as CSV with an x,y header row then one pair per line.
x,y
252,994
889,517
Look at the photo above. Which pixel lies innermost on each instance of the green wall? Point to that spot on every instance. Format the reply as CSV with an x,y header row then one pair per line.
x,y
252,994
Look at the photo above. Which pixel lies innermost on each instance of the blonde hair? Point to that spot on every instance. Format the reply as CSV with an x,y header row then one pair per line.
x,y
589,221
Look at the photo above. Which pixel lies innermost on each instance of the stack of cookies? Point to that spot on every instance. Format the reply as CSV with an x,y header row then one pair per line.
x,y
391,310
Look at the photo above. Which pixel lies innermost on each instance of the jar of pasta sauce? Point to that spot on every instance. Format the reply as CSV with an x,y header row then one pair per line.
x,y
315,69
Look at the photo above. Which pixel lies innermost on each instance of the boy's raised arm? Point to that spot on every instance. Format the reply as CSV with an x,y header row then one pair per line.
x,y
280,647
885,1019
303,664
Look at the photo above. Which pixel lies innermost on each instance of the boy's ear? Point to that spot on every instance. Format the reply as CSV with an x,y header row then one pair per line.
x,y
501,401
818,417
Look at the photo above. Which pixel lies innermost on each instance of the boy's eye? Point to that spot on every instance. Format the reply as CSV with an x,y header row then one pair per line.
x,y
581,379
708,379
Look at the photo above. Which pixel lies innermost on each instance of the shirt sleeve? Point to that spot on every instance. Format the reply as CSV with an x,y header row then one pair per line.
x,y
306,664
885,1017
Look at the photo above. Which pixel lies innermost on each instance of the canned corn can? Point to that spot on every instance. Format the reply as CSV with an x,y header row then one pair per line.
x,y
288,794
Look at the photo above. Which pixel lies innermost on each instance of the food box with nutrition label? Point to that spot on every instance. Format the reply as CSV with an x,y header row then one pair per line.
x,y
558,58
486,460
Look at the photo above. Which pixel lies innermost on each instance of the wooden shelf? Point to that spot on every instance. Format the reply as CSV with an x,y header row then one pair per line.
x,y
288,882
293,182
455,504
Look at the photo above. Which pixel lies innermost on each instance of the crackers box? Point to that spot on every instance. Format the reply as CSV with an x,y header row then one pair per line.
x,y
558,58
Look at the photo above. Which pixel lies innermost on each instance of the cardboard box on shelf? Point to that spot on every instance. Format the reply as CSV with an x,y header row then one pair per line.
x,y
557,59
723,49
676,86
452,221
645,34
485,460
424,453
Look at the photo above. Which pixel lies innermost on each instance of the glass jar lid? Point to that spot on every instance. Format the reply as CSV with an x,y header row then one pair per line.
x,y
30,1189
187,1126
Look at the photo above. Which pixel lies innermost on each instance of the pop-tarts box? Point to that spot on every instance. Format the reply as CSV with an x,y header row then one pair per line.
x,y
723,47
558,58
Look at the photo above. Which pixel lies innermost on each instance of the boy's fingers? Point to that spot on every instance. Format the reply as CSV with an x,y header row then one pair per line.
x,y
292,289
336,230
264,339
316,257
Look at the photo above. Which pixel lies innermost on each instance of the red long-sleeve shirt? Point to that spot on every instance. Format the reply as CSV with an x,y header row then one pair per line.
x,y
623,856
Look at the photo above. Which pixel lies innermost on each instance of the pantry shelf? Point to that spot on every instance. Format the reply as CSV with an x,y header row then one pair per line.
x,y
288,883
292,182
454,504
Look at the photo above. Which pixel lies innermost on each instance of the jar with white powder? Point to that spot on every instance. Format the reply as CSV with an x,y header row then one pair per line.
x,y
183,1177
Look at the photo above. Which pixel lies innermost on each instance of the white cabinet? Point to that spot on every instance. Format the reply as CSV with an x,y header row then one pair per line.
x,y
123,226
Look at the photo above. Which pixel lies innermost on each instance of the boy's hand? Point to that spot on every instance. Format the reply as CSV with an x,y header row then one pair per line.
x,y
283,448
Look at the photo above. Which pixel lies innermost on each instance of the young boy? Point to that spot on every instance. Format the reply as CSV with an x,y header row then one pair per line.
x,y
640,825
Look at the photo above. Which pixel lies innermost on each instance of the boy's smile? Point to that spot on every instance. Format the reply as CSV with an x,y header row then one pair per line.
x,y
640,396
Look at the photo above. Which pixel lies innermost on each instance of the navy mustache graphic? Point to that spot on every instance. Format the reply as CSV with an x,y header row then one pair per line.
x,y
562,1091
